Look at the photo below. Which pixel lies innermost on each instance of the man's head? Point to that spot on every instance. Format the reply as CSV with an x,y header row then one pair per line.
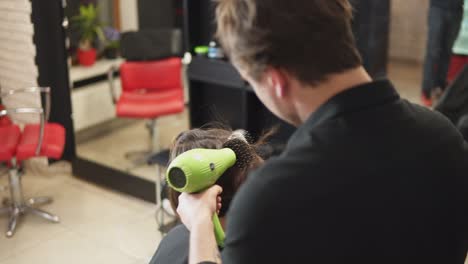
x,y
275,43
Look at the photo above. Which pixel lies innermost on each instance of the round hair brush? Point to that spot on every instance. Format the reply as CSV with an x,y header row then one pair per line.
x,y
198,169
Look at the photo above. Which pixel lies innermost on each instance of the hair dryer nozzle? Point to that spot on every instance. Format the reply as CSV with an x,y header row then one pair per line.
x,y
177,177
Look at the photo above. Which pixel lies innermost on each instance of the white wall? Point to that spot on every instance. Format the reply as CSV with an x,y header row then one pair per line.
x,y
129,15
17,55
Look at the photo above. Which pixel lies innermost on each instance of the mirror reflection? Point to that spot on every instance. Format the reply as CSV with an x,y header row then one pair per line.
x,y
142,113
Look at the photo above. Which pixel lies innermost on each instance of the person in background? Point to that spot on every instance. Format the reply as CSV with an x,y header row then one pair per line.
x,y
174,248
444,23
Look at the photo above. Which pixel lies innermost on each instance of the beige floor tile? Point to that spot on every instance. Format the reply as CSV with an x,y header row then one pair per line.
x,y
407,78
70,248
108,217
135,235
33,183
129,202
31,231
98,225
89,214
77,206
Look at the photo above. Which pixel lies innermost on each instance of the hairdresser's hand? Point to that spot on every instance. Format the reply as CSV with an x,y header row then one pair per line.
x,y
195,209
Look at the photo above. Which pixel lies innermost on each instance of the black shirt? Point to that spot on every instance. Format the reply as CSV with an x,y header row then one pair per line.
x,y
174,247
456,5
369,178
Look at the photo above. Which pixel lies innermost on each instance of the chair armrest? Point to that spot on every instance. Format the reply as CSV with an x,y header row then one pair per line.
x,y
44,90
110,79
30,110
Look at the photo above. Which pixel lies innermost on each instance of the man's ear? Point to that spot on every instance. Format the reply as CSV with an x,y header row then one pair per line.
x,y
278,81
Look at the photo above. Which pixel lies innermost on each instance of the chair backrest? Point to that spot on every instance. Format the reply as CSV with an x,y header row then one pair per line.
x,y
151,75
151,44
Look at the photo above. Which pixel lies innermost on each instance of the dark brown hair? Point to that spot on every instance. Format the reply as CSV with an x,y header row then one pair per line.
x,y
214,138
310,39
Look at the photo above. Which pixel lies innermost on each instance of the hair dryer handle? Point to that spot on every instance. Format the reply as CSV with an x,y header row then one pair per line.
x,y
219,232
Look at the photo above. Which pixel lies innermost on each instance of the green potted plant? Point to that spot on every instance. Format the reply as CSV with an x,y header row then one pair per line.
x,y
89,27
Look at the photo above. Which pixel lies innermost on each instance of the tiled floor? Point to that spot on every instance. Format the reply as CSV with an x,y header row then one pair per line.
x,y
100,225
407,78
97,225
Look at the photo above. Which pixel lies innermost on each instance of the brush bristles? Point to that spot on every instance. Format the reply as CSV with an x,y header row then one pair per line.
x,y
244,152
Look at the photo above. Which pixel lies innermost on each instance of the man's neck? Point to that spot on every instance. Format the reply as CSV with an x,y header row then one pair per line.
x,y
309,99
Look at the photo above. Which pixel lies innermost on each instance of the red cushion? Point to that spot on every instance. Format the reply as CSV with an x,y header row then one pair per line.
x,y
456,66
150,105
152,96
151,75
52,145
9,139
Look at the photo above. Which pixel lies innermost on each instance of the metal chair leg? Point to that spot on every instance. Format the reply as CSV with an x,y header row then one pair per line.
x,y
154,134
15,213
38,201
43,214
17,206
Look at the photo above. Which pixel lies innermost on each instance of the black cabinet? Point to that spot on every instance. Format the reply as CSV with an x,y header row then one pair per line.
x,y
217,91
160,14
218,94
199,25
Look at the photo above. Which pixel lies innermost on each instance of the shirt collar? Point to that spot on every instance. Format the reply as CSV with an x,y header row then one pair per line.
x,y
357,98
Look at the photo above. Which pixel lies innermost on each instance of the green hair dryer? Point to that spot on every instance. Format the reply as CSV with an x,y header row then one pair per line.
x,y
198,169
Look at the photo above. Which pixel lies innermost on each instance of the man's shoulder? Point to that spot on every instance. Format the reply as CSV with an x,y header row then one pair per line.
x,y
432,120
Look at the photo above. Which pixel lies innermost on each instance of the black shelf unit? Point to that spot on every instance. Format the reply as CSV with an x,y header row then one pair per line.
x,y
217,91
219,94
199,24
217,72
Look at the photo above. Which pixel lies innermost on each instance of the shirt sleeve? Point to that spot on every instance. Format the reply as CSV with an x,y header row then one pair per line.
x,y
174,247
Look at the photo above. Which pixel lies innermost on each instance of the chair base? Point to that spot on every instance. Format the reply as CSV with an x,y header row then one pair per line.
x,y
140,158
16,212
18,207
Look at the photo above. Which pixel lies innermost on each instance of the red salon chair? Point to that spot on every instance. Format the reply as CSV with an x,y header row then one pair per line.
x,y
150,89
36,140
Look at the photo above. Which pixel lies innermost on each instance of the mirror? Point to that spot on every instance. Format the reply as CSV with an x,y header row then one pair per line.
x,y
112,147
